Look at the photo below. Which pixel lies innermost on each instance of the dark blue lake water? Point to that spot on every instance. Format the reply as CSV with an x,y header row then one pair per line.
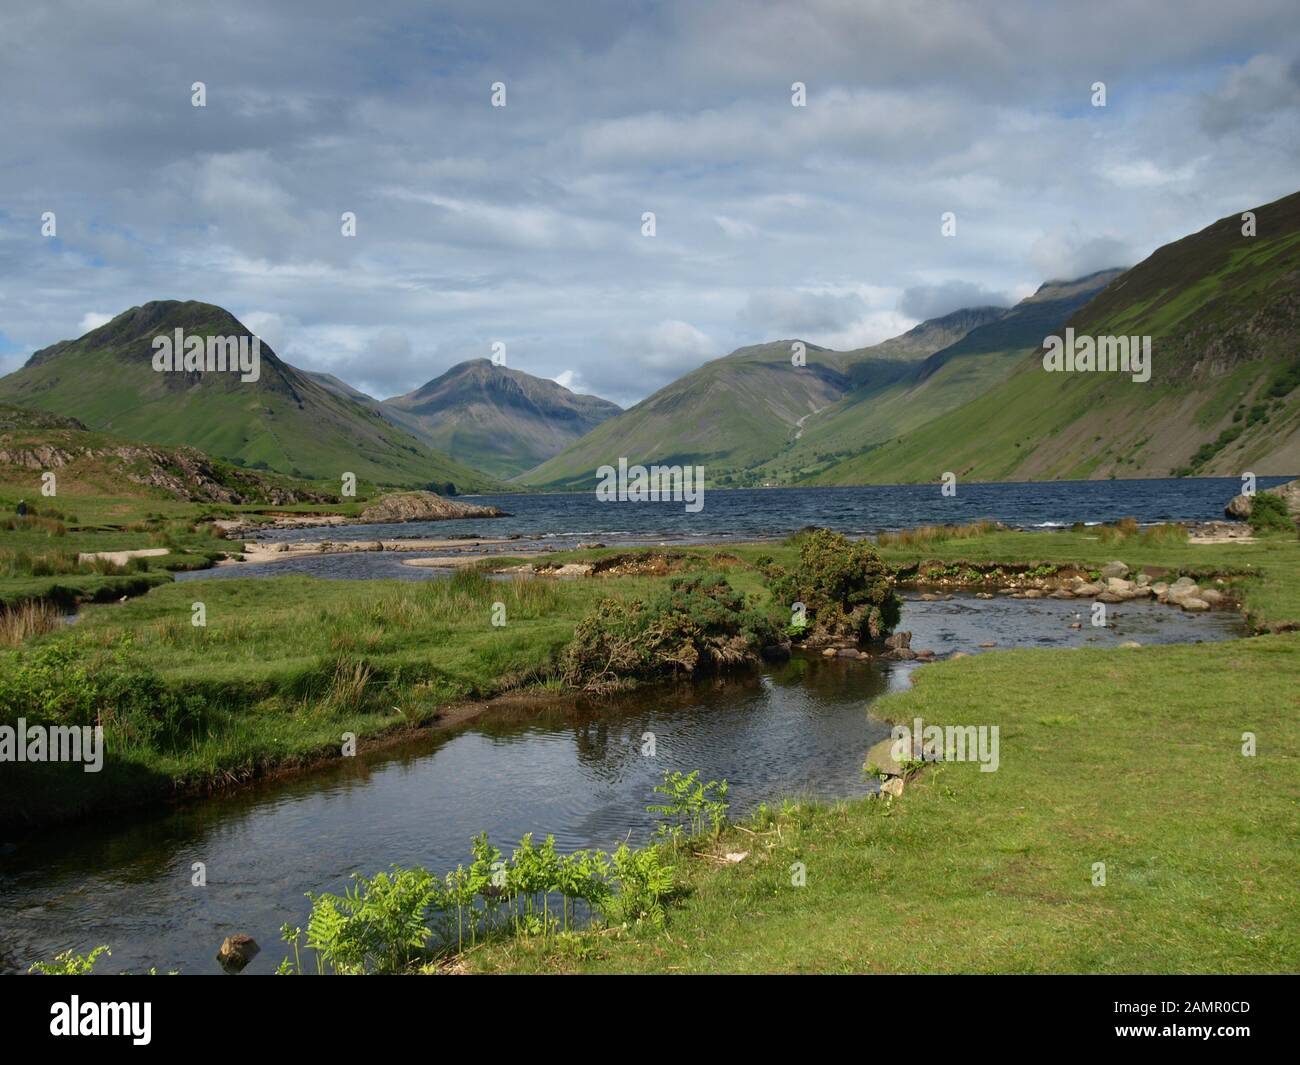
x,y
761,513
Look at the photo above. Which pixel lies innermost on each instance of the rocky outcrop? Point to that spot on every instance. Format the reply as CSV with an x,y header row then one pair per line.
x,y
1239,507
422,506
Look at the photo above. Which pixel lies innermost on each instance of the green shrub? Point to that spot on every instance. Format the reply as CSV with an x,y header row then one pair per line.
x,y
696,624
1269,513
845,586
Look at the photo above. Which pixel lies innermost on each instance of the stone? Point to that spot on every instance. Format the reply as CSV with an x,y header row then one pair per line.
x,y
1114,569
1143,579
1119,584
237,951
1191,602
830,652
1088,590
1110,597
1033,593
983,595
1130,643
989,644
1160,588
574,569
1213,596
1076,625
929,597
881,756
893,786
898,639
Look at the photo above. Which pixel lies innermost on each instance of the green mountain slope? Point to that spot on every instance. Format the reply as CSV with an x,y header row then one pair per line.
x,y
284,421
883,407
1223,312
497,419
737,412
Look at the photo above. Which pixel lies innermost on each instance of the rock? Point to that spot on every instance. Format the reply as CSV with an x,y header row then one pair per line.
x,y
1213,596
574,569
893,786
1191,602
959,654
237,951
848,652
989,644
1062,593
1238,507
1143,579
929,597
422,506
1076,625
1160,588
926,653
736,856
1110,597
1114,569
881,756
983,595
1008,590
776,651
1130,643
1088,590
1119,584
830,652
898,639
900,654
582,547
1183,588
1033,593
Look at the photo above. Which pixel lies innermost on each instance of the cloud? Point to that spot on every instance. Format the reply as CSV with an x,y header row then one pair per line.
x,y
93,320
1064,255
934,301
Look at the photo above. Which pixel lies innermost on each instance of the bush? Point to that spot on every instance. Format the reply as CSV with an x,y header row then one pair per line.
x,y
845,586
698,624
1269,513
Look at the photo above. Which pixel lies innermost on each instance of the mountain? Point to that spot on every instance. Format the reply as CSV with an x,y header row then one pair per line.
x,y
1223,314
497,419
284,420
884,407
752,417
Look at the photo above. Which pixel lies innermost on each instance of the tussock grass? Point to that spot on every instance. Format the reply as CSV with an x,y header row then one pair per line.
x,y
25,621
923,535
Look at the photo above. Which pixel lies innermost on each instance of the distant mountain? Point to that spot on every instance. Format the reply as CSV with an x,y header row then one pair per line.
x,y
495,418
885,406
755,417
1223,312
283,421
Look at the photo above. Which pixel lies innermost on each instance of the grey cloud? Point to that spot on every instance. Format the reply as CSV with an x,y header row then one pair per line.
x,y
934,301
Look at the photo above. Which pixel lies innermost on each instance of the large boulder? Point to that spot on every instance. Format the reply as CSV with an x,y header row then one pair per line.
x,y
422,506
1239,506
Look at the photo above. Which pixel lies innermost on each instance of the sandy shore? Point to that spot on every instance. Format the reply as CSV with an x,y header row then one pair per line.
x,y
257,551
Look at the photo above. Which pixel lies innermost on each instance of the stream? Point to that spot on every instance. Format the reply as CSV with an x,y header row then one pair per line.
x,y
797,729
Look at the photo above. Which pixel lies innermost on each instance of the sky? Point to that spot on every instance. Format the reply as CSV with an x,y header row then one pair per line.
x,y
523,224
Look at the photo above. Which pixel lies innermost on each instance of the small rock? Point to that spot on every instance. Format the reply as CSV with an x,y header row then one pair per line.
x,y
1191,602
1114,569
881,756
1088,590
1076,625
237,951
736,856
929,597
1160,588
1143,579
893,786
830,652
1033,593
989,644
1110,597
898,639
959,654
1213,596
983,595
1119,584
1130,643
